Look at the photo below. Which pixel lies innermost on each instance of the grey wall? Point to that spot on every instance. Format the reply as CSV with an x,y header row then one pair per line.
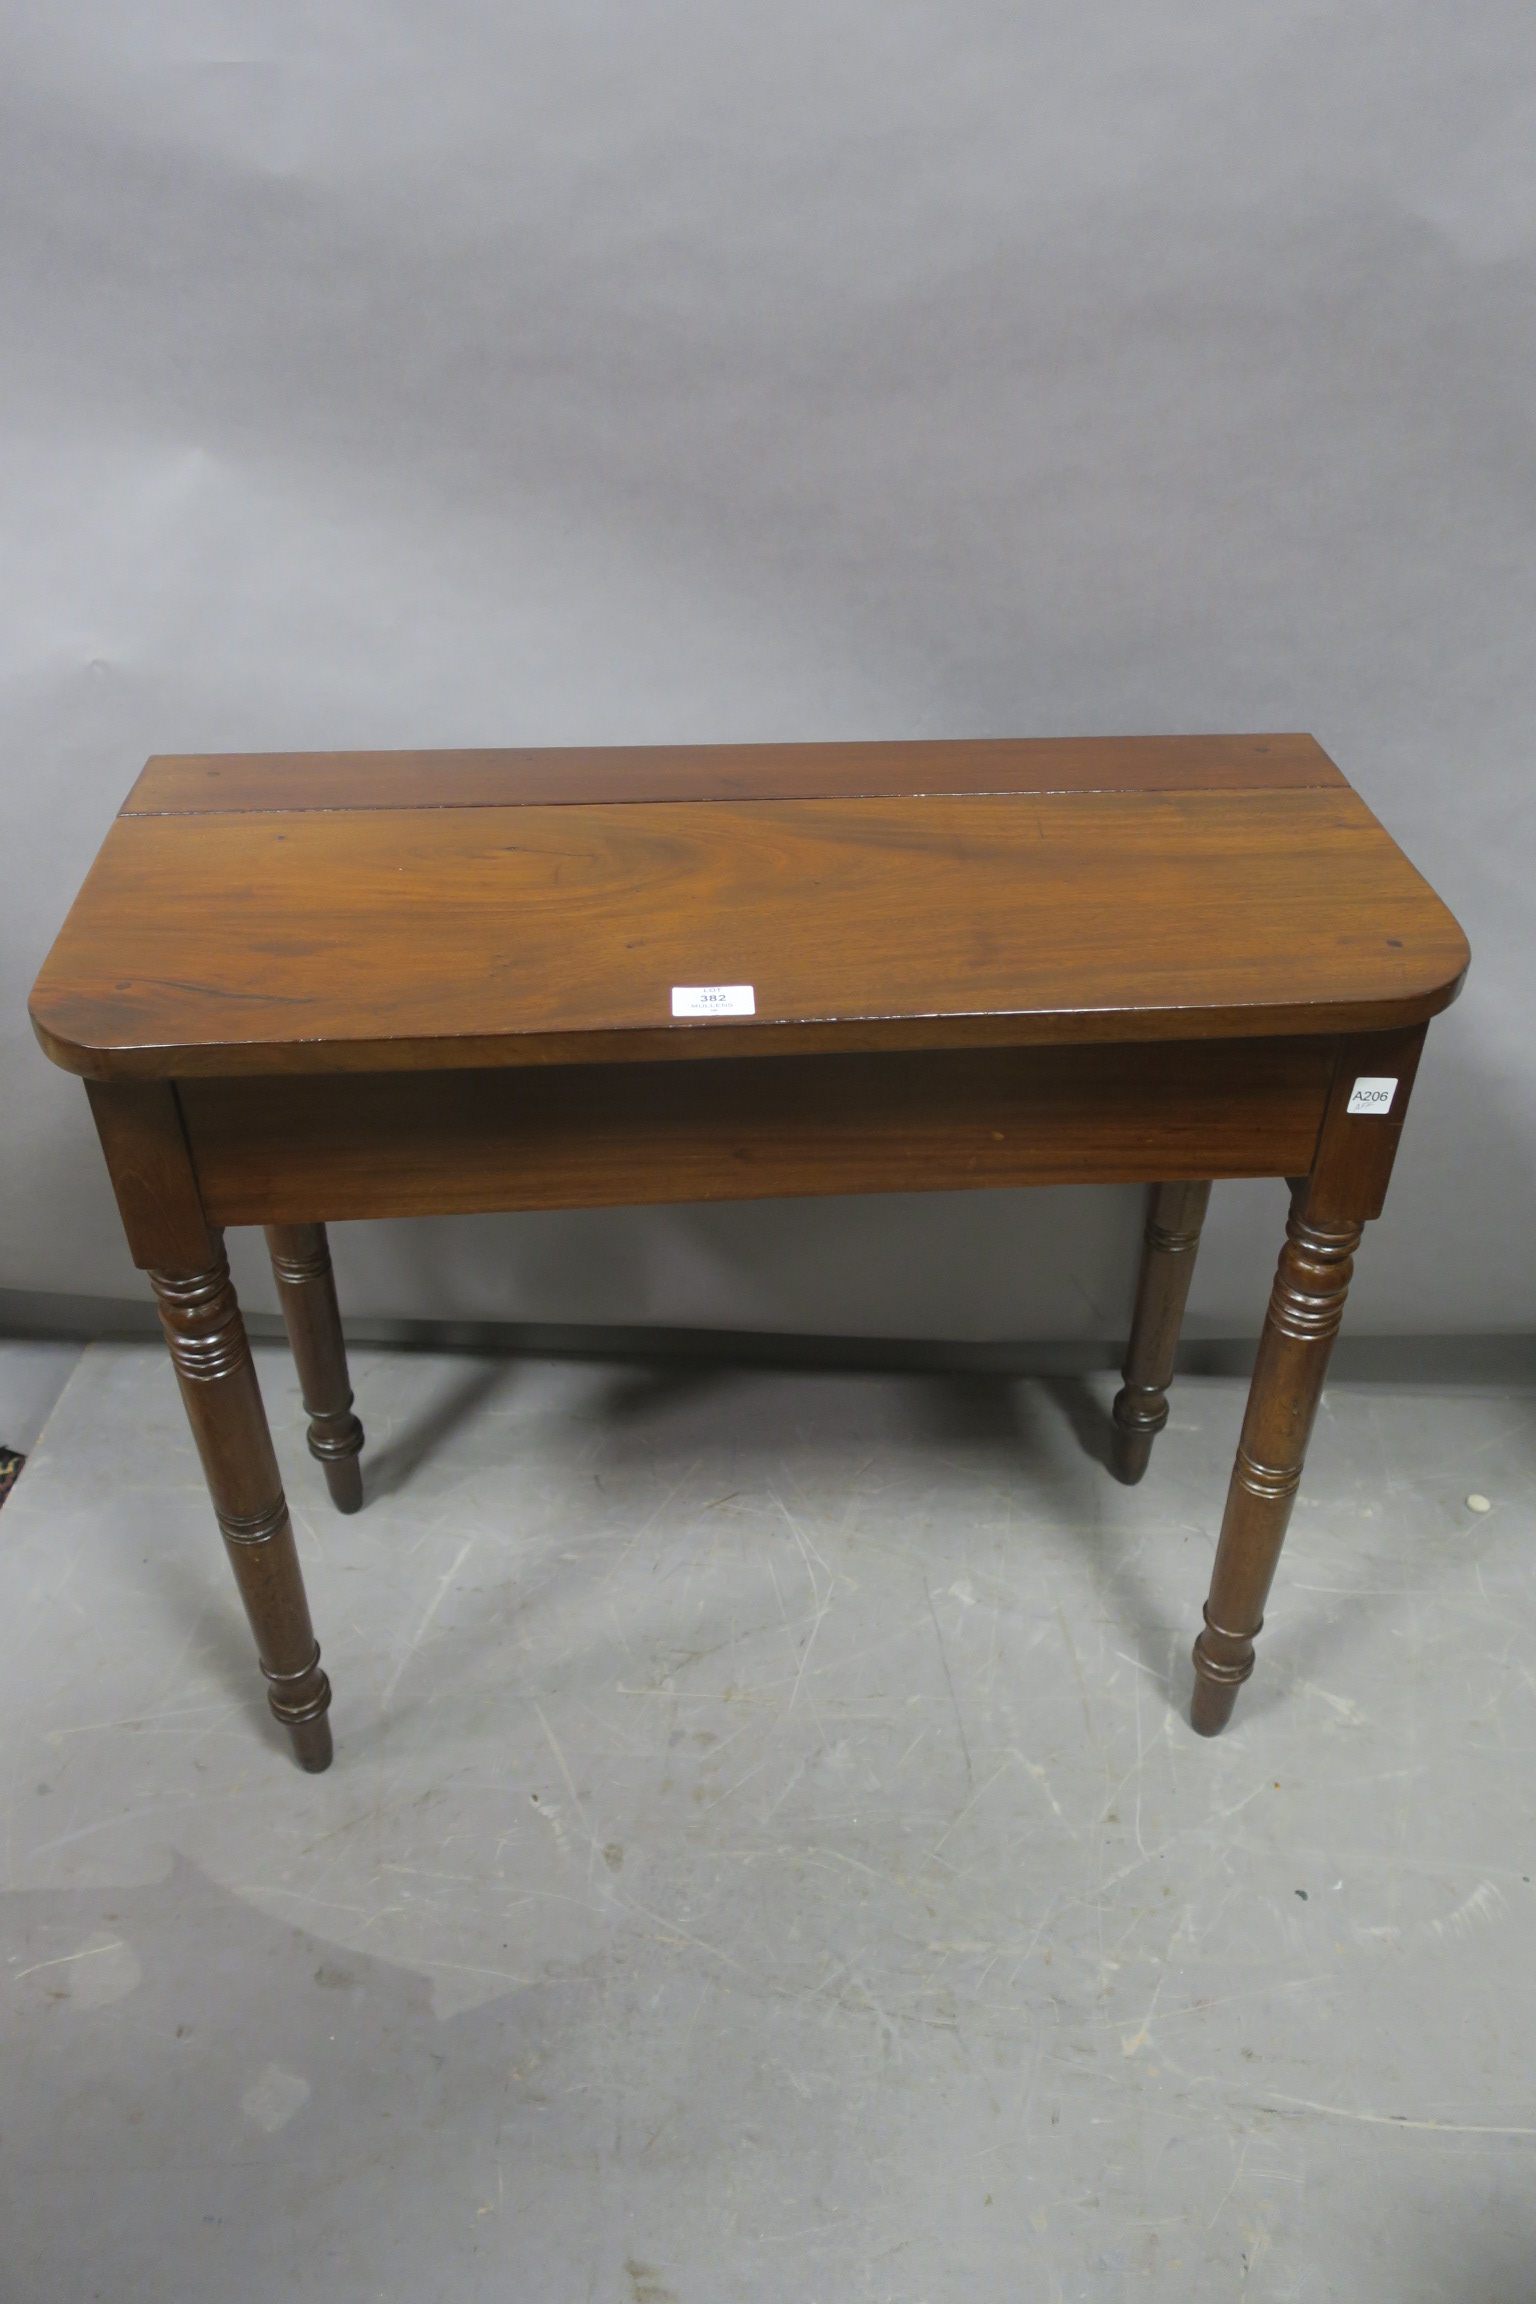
x,y
452,373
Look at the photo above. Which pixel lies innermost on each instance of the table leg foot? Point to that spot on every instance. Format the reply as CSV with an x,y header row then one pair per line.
x,y
306,1718
202,1323
1212,1706
1175,1214
306,1287
344,1479
1131,1450
1305,1311
1222,1662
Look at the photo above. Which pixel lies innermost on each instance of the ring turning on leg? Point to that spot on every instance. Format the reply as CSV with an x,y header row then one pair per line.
x,y
206,1334
1305,1311
306,1287
1175,1213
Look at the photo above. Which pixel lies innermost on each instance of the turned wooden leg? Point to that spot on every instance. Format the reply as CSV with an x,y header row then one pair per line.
x,y
218,1384
301,1260
1175,1213
1305,1310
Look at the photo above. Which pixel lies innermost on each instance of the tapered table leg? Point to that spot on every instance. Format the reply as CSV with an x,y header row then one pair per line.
x,y
218,1384
1175,1213
306,1287
1305,1310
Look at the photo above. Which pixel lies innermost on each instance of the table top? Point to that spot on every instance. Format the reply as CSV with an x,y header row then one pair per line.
x,y
332,912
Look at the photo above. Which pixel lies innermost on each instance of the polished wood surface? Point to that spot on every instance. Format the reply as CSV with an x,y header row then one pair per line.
x,y
619,774
313,1148
313,987
145,1143
368,939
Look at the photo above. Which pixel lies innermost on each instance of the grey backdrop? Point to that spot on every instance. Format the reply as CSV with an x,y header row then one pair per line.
x,y
452,373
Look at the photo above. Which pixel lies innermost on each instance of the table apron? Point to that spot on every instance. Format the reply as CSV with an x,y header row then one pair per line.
x,y
320,1148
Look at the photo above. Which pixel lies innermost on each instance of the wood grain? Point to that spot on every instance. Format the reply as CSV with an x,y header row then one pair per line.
x,y
373,939
1356,1151
615,774
314,1150
145,1144
306,988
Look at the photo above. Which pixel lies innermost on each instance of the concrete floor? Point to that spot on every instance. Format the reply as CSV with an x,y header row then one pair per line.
x,y
32,1376
766,1857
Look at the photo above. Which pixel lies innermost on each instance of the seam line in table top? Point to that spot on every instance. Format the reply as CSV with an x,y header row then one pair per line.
x,y
745,799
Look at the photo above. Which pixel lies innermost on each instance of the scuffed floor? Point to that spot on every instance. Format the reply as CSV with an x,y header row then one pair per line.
x,y
766,1857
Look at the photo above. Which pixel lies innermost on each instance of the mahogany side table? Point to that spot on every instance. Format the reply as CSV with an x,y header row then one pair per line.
x,y
305,987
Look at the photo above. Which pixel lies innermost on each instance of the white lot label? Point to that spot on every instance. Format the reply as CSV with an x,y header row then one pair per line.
x,y
1371,1096
713,1000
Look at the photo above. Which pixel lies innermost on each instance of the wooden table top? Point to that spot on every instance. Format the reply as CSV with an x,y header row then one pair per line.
x,y
398,911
